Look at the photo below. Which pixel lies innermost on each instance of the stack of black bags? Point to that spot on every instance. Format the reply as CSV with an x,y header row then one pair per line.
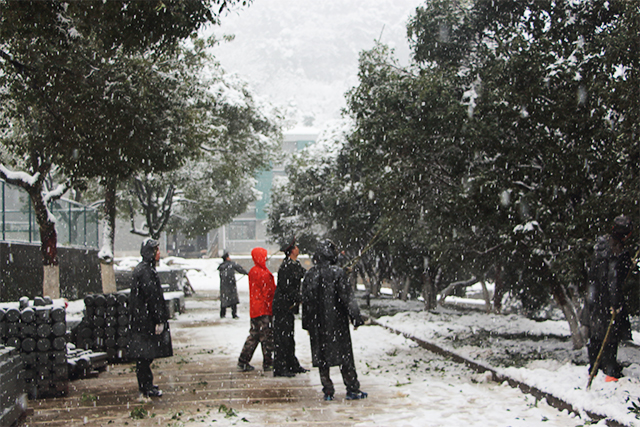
x,y
38,330
105,325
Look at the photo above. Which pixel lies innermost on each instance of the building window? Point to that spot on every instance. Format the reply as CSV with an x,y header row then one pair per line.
x,y
242,230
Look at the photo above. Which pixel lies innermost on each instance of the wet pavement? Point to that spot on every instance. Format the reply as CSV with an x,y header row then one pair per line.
x,y
202,387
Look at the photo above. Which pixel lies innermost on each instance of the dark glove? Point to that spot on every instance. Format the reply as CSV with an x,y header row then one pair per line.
x,y
358,321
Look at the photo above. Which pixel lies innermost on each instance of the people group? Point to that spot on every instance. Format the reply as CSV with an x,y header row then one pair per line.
x,y
329,307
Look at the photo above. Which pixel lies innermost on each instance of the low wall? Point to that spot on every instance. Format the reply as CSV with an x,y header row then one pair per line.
x,y
21,271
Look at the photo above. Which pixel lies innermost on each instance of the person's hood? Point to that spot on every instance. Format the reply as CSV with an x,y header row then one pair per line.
x,y
148,250
259,256
326,253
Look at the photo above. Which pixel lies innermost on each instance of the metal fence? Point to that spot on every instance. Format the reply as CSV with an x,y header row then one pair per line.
x,y
76,224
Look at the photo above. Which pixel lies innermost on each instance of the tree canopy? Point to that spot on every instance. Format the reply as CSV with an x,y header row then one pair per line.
x,y
503,150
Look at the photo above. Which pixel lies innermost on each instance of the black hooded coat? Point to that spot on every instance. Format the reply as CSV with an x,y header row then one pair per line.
x,y
228,286
328,305
607,275
147,308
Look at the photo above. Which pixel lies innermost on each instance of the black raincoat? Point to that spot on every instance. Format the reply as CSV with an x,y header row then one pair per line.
x,y
607,275
328,305
147,308
285,305
228,287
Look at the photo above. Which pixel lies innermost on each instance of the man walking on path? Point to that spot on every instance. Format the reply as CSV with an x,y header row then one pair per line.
x,y
285,306
228,286
261,289
328,305
609,269
149,319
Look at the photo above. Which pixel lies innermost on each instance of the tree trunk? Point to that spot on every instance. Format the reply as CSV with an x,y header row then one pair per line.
x,y
365,281
108,275
429,293
48,244
106,253
372,280
498,292
396,287
485,294
452,286
560,297
405,289
51,281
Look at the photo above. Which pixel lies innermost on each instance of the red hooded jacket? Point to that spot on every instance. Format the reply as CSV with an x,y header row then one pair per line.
x,y
262,286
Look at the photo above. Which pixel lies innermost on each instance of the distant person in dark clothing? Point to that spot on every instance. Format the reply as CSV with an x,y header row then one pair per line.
x,y
285,305
328,305
261,289
228,286
149,319
610,266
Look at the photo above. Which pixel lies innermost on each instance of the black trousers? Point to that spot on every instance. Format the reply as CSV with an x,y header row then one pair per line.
x,y
144,374
608,363
234,311
349,377
284,354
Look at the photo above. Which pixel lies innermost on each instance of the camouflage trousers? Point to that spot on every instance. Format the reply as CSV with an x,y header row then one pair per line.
x,y
261,332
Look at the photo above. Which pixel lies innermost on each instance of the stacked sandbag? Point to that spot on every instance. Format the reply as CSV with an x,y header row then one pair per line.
x,y
84,363
38,331
13,398
105,325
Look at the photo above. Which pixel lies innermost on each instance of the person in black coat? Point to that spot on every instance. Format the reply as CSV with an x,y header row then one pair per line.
x,y
285,305
609,268
228,286
328,305
148,319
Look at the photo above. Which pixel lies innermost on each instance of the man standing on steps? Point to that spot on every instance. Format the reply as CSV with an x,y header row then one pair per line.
x,y
285,307
228,286
149,337
328,305
605,298
262,286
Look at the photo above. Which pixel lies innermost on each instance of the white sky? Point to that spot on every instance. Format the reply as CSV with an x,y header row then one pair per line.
x,y
305,52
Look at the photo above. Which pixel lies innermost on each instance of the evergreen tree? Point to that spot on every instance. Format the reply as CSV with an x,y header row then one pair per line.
x,y
85,89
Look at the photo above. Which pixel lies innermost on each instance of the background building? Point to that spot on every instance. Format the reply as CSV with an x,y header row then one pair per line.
x,y
244,233
248,230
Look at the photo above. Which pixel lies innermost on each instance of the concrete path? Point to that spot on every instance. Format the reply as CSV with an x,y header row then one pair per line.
x,y
201,386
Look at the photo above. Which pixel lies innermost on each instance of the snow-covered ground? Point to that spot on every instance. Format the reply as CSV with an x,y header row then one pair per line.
x,y
447,393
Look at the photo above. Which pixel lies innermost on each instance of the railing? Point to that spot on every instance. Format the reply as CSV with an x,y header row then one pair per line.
x,y
76,224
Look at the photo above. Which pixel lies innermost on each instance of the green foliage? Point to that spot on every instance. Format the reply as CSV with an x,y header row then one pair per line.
x,y
88,399
235,136
506,148
101,89
139,413
227,411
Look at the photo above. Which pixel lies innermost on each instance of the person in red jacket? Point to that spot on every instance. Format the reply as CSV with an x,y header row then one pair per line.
x,y
262,287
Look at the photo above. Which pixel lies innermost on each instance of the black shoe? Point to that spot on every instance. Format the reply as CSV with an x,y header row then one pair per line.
x,y
356,395
235,317
284,374
154,392
328,397
245,367
300,370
